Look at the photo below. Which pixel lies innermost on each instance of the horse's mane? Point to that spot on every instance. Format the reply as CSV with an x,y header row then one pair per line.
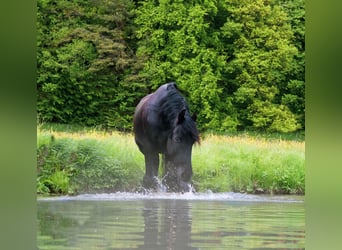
x,y
171,105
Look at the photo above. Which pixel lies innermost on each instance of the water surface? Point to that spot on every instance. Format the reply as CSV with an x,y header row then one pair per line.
x,y
171,221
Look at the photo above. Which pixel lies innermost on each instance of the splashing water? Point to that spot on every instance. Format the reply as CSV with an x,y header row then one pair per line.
x,y
191,188
160,186
190,196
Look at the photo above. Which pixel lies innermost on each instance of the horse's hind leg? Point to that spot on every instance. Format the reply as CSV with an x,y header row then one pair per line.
x,y
151,165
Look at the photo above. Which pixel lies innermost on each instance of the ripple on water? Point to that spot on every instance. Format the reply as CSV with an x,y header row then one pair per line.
x,y
209,195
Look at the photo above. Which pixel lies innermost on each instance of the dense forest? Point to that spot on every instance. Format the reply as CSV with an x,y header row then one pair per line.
x,y
240,63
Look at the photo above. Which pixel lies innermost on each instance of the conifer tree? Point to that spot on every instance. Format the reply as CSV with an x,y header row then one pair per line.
x,y
261,58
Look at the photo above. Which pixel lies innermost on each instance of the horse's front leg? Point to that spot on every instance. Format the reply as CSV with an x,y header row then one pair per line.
x,y
151,164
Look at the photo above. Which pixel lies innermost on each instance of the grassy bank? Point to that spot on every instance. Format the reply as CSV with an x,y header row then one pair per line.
x,y
73,160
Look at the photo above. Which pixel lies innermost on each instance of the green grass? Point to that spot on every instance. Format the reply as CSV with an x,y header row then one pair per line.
x,y
73,159
88,160
249,164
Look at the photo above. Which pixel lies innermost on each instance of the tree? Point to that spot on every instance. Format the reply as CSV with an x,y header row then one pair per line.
x,y
261,58
240,63
83,55
181,44
294,91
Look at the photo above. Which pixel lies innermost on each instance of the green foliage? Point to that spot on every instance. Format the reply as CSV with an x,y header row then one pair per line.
x,y
262,58
241,63
70,166
73,160
184,49
108,175
83,56
245,164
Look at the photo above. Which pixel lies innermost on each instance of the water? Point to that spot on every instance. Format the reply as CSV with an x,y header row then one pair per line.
x,y
171,221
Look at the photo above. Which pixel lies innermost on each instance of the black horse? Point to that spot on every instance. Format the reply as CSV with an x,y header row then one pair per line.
x,y
163,124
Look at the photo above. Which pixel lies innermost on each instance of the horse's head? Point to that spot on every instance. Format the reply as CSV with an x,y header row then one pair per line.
x,y
178,151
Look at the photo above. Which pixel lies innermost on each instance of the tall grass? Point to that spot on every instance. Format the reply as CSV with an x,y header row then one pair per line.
x,y
73,159
249,164
86,161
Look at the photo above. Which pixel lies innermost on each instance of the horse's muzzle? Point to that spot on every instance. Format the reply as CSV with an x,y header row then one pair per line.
x,y
185,186
184,179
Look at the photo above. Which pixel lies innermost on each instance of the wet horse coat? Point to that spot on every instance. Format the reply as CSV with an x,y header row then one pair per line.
x,y
163,125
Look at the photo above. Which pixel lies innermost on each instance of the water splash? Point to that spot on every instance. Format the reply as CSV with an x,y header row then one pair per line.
x,y
191,188
161,188
191,196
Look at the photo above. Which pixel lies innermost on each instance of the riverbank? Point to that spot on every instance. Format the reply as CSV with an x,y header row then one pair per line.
x,y
73,160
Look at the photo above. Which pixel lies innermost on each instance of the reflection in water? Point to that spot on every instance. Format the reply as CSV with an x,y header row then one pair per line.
x,y
169,224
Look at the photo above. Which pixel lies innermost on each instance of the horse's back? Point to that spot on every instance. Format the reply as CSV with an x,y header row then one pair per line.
x,y
146,124
150,104
140,114
149,129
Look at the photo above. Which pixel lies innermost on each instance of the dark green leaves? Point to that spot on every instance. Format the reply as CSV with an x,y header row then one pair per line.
x,y
240,61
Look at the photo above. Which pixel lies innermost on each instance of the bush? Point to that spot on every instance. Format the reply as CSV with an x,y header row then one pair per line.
x,y
241,61
70,166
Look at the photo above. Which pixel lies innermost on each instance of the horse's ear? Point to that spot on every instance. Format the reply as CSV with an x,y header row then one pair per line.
x,y
171,85
181,116
194,117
